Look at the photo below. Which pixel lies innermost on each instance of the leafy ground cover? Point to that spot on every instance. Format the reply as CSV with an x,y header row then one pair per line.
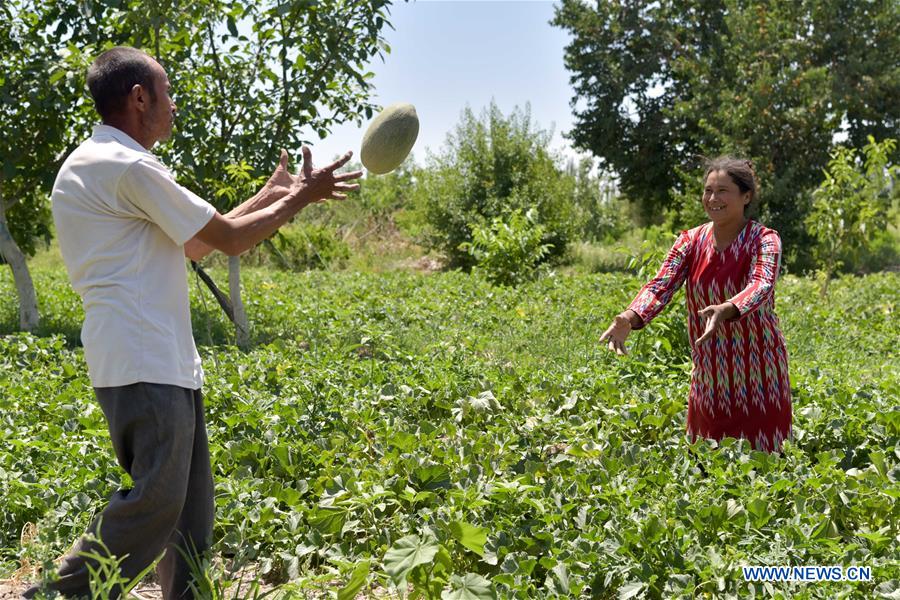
x,y
438,435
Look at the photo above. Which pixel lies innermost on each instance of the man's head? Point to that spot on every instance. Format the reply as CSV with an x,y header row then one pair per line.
x,y
131,91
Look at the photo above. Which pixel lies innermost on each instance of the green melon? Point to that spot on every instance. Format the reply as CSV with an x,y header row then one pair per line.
x,y
389,138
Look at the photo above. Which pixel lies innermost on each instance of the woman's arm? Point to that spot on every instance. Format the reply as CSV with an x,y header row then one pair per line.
x,y
761,281
652,298
616,334
657,292
764,269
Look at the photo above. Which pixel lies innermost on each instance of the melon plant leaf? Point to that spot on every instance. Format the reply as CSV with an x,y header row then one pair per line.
x,y
471,586
328,519
560,579
406,554
470,536
357,582
484,402
888,589
433,477
677,584
630,590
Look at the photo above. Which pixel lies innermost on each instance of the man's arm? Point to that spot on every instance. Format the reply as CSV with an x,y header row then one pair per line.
x,y
196,250
283,196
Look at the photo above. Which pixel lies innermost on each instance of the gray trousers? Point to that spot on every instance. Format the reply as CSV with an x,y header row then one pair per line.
x,y
159,436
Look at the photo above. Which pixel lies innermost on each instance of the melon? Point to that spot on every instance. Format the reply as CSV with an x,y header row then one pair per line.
x,y
389,138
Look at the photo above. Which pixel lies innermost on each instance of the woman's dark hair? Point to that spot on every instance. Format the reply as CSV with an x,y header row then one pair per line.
x,y
742,174
112,75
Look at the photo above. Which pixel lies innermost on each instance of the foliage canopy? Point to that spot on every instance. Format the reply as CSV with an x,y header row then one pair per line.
x,y
660,84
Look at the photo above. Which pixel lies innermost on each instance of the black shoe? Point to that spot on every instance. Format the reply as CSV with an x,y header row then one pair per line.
x,y
31,592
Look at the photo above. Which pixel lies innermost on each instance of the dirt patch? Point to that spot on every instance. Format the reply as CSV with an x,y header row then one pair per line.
x,y
12,590
424,264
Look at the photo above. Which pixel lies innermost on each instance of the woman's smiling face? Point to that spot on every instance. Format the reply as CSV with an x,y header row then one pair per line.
x,y
723,200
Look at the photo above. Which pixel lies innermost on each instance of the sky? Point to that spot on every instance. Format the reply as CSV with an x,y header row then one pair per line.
x,y
446,55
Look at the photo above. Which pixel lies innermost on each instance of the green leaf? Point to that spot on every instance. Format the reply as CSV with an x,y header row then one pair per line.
x,y
561,579
630,590
759,508
888,589
470,536
57,75
471,586
781,484
356,583
677,584
406,554
432,477
328,519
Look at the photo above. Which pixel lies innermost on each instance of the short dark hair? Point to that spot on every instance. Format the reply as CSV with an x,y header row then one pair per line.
x,y
742,174
112,75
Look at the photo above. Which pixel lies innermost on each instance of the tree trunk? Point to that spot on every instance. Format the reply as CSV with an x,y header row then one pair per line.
x,y
28,307
826,279
241,325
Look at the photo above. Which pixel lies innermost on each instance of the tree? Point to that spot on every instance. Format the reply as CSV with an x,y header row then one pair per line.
x,y
852,203
659,84
39,86
599,211
492,166
248,78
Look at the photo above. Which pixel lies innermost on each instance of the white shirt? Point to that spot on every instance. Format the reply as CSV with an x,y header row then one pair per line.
x,y
122,221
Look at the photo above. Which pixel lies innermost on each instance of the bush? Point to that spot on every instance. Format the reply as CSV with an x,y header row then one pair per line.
x,y
491,167
852,204
600,214
882,253
304,246
509,249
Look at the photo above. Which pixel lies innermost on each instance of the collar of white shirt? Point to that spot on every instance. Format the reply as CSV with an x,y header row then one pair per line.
x,y
120,136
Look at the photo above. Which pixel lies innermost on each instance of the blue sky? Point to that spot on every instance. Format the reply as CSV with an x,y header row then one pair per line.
x,y
447,55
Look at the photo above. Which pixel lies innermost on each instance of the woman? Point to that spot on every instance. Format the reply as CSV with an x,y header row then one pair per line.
x,y
739,382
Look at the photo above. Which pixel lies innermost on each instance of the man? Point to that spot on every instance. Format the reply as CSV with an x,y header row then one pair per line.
x,y
124,227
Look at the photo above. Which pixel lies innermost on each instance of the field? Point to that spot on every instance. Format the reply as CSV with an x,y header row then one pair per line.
x,y
434,434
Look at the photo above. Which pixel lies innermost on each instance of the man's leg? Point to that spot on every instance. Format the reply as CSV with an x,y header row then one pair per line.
x,y
152,431
193,535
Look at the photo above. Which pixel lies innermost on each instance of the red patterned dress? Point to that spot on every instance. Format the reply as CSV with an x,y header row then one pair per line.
x,y
739,381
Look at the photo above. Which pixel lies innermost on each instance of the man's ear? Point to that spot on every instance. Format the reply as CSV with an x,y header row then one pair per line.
x,y
139,97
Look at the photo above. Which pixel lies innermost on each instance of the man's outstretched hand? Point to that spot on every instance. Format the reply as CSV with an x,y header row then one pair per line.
x,y
281,180
311,184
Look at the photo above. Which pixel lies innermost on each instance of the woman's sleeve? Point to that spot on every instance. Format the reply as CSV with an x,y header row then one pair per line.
x,y
764,267
654,296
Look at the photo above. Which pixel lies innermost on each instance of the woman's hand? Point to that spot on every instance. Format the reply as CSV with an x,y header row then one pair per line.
x,y
617,333
715,315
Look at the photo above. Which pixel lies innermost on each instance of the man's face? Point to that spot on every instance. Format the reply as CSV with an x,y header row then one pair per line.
x,y
160,118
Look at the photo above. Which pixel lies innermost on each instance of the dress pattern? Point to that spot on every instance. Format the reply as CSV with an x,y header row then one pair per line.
x,y
739,382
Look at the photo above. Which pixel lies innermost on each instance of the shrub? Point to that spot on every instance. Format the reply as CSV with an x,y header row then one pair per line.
x,y
493,166
509,249
852,204
304,246
600,214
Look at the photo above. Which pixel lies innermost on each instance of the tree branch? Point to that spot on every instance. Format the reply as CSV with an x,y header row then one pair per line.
x,y
219,81
252,78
